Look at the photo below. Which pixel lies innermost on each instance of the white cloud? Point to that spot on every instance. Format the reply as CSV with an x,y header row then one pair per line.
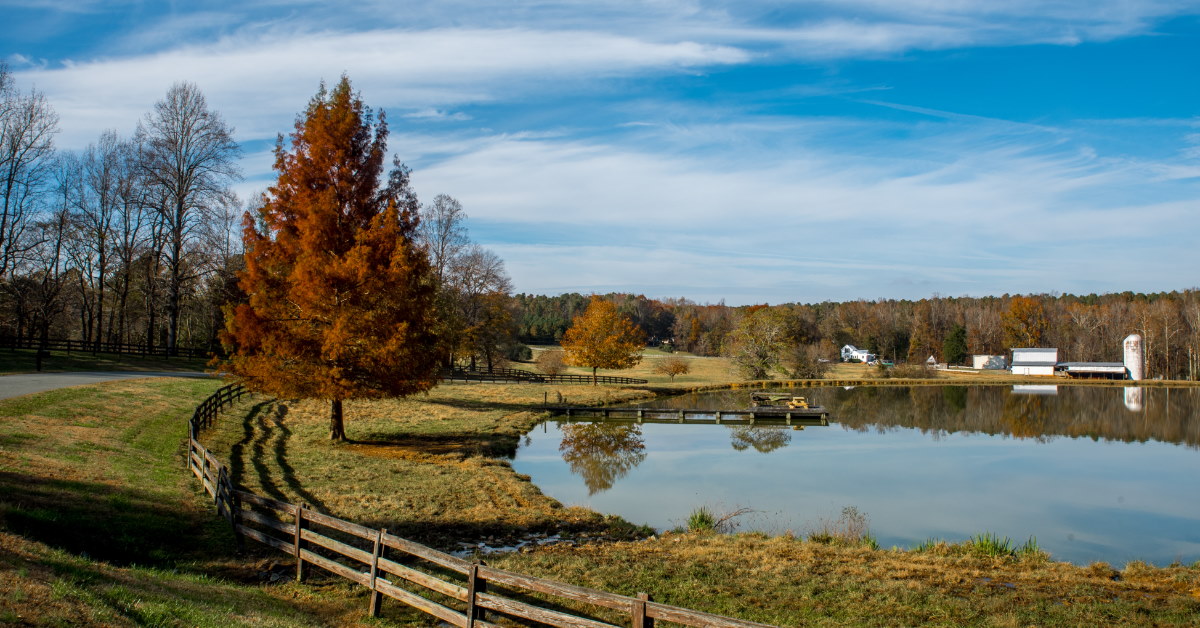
x,y
596,217
261,80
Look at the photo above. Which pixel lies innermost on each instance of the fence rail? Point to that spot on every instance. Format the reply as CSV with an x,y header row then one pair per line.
x,y
519,376
455,590
118,348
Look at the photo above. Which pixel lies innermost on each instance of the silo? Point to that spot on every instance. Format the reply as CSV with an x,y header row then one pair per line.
x,y
1135,358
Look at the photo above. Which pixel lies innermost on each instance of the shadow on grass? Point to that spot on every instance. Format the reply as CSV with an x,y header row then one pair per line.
x,y
462,444
116,524
266,434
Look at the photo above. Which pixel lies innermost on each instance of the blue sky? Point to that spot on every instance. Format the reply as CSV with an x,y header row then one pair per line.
x,y
748,151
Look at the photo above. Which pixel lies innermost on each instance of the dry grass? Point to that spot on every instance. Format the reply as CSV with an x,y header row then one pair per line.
x,y
432,467
792,582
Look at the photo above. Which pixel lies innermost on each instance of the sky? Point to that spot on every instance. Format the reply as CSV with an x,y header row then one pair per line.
x,y
747,152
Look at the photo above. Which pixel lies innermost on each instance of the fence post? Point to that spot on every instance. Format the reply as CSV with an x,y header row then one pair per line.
x,y
376,597
300,508
475,585
237,521
639,618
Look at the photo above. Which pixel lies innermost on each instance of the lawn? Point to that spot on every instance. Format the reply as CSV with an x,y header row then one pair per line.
x,y
101,525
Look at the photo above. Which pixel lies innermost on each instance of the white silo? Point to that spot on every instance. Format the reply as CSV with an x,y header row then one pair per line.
x,y
1135,357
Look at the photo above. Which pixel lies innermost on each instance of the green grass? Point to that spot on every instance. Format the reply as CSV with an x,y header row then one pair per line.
x,y
24,361
100,524
701,520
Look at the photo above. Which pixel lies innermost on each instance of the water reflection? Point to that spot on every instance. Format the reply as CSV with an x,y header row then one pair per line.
x,y
1115,414
762,439
1095,473
602,453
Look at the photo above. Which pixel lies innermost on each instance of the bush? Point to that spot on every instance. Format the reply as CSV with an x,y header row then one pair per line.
x,y
552,362
909,371
518,353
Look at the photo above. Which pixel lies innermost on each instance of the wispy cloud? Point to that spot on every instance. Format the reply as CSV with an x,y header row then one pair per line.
x,y
262,78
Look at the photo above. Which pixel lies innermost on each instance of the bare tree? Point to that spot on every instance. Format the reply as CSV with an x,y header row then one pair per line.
x,y
479,288
103,167
188,152
443,233
27,128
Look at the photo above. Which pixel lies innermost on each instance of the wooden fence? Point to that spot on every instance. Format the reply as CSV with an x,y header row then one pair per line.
x,y
519,376
459,592
118,348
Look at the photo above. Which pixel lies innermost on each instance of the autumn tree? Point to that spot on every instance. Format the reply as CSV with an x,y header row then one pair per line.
x,y
341,302
757,345
601,338
1024,323
672,366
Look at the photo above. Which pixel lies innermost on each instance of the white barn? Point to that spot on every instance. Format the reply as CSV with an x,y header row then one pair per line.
x,y
1032,361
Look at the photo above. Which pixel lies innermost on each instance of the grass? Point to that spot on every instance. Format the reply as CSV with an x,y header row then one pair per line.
x,y
23,361
101,525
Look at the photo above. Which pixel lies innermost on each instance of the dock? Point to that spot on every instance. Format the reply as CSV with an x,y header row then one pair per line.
x,y
797,417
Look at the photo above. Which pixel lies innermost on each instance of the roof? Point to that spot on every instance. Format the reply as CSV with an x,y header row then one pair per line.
x,y
1098,367
1034,363
1035,350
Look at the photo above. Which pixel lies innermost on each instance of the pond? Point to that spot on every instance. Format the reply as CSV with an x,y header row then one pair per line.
x,y
1094,473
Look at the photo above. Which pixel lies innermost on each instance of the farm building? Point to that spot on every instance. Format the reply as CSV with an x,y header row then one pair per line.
x,y
1034,361
989,362
851,352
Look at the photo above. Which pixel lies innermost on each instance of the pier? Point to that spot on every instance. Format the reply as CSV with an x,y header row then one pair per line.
x,y
797,417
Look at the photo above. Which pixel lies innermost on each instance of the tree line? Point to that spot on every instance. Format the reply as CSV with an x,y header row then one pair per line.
x,y
135,239
127,240
792,338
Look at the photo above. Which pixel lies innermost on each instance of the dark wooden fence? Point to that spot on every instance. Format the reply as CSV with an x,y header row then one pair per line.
x,y
118,348
455,590
519,376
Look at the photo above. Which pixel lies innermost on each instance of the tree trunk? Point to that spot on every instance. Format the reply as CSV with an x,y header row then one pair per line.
x,y
337,430
594,376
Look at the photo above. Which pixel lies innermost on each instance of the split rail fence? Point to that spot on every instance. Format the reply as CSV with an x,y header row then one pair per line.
x,y
118,348
460,592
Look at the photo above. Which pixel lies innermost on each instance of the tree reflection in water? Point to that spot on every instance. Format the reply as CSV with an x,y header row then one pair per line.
x,y
602,453
762,439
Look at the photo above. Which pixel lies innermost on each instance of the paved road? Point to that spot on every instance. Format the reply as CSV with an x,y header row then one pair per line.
x,y
17,385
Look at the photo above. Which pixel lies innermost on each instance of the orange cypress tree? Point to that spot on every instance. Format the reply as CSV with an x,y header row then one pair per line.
x,y
603,338
340,300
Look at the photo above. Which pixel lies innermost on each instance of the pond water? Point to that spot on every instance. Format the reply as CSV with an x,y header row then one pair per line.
x,y
1093,473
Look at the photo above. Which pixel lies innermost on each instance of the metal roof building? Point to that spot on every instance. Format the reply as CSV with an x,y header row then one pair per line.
x,y
1034,361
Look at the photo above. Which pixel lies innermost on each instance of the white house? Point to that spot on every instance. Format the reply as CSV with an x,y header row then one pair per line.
x,y
1034,361
851,352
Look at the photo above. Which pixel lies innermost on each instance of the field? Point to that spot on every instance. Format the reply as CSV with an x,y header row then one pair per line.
x,y
103,463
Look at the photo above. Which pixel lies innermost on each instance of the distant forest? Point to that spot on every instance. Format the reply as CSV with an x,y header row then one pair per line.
x,y
1083,328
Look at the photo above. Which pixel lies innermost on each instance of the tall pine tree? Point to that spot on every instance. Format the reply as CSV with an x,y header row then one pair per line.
x,y
341,301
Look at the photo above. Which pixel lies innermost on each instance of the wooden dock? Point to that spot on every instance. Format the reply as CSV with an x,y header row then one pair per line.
x,y
798,417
